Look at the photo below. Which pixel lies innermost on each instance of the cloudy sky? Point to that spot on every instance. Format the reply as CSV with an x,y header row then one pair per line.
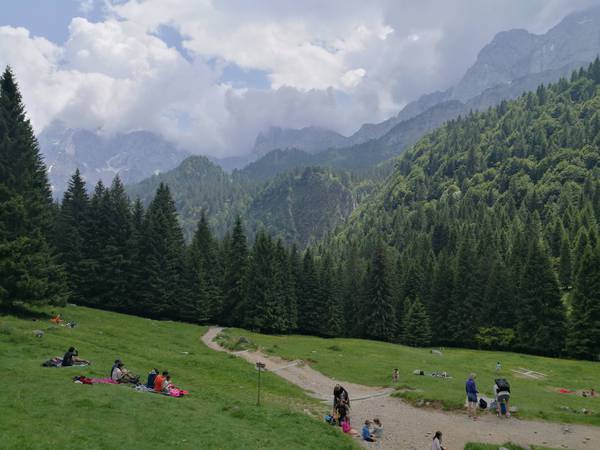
x,y
210,75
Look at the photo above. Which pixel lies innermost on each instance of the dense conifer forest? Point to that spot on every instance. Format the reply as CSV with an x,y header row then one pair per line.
x,y
485,235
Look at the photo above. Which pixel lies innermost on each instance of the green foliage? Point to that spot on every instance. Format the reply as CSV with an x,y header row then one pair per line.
x,y
583,339
416,328
28,267
495,338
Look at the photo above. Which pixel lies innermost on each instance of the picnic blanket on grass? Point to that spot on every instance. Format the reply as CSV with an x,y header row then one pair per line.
x,y
173,392
80,379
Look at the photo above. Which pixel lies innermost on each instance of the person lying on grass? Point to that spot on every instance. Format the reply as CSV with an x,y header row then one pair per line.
x,y
72,357
122,375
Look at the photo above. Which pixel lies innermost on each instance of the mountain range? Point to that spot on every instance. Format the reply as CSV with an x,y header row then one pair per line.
x,y
268,190
133,156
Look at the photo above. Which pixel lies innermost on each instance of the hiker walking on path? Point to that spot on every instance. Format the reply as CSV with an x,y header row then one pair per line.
x,y
472,392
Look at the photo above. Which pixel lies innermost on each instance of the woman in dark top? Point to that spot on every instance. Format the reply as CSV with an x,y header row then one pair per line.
x,y
340,395
71,357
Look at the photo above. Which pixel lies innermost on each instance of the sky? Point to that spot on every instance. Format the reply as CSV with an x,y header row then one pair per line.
x,y
210,75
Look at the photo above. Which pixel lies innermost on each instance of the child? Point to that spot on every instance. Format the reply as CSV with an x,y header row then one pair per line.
x,y
366,432
498,366
377,429
437,441
395,376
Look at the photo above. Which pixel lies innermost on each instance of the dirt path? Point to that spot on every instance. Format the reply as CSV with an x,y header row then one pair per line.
x,y
409,428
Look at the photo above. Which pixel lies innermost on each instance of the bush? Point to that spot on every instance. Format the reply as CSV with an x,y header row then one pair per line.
x,y
495,338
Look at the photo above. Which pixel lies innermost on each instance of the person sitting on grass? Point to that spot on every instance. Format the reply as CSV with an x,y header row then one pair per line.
x,y
341,410
472,392
72,357
112,369
167,384
122,375
158,381
151,377
437,441
366,432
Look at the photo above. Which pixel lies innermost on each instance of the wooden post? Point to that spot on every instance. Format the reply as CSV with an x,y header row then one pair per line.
x,y
259,367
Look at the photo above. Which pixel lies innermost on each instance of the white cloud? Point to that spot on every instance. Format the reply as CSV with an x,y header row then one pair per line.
x,y
333,64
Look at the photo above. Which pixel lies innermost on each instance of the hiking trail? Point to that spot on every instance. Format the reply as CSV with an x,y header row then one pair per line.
x,y
410,428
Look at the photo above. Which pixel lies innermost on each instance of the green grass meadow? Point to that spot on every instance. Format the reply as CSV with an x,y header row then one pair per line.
x,y
42,408
371,363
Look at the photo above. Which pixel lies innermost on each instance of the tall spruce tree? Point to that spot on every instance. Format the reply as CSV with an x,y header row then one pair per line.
x,y
379,301
541,313
235,268
309,308
416,325
205,249
28,269
70,234
583,339
162,254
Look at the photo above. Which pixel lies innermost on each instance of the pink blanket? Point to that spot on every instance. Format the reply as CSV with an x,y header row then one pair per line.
x,y
103,381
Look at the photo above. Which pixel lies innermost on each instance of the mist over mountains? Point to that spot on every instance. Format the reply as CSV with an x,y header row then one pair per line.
x,y
513,62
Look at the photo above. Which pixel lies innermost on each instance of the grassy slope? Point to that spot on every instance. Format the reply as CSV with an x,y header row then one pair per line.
x,y
371,363
42,408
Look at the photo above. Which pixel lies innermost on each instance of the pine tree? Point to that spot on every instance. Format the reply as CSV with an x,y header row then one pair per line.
x,y
204,248
70,234
464,311
565,274
416,326
583,339
443,282
136,269
236,265
116,257
162,254
541,314
329,296
309,308
28,269
352,293
379,301
266,306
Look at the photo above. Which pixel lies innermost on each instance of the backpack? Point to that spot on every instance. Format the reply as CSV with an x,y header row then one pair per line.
x,y
503,385
483,404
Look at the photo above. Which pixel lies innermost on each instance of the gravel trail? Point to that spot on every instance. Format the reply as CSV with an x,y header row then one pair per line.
x,y
410,428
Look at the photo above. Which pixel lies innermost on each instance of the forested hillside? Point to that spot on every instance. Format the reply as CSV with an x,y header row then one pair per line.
x,y
299,206
490,219
485,235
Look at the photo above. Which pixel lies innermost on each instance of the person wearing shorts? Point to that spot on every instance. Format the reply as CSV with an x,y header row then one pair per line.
x,y
472,392
501,397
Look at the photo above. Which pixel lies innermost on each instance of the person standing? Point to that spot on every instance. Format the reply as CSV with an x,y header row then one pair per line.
x,y
502,394
395,376
472,392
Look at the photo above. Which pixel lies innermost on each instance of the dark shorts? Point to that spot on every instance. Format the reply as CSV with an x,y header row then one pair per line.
x,y
503,398
472,398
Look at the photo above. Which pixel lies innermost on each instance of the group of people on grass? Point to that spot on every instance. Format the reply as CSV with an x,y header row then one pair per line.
x,y
501,396
371,430
157,381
